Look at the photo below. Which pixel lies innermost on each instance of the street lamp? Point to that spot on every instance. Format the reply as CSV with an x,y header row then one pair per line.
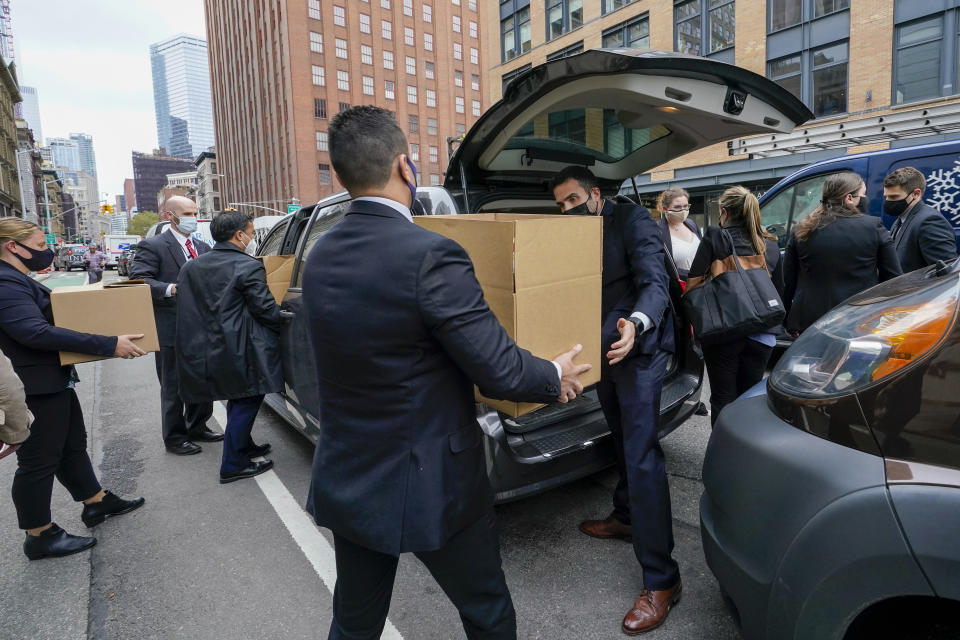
x,y
257,206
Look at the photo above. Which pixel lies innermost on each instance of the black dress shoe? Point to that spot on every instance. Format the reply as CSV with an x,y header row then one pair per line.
x,y
54,543
255,469
111,505
256,450
185,448
205,435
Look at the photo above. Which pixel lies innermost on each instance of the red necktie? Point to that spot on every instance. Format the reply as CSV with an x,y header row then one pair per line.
x,y
190,249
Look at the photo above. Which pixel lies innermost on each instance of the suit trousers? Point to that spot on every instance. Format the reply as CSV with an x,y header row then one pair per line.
x,y
179,419
733,367
629,395
57,447
241,413
94,275
467,568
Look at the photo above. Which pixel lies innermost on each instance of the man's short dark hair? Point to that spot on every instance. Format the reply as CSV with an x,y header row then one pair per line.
x,y
581,174
907,178
228,223
364,141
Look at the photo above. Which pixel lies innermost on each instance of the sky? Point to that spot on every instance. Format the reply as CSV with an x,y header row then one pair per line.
x,y
90,63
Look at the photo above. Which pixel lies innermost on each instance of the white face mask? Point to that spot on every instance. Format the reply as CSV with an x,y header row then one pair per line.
x,y
250,248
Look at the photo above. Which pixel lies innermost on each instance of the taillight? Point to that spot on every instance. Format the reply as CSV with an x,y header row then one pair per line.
x,y
69,252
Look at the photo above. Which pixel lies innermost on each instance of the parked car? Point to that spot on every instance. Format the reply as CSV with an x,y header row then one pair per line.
x,y
123,263
831,504
650,107
70,257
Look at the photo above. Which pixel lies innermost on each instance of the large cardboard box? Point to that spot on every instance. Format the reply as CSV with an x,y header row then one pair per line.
x,y
541,276
114,309
279,272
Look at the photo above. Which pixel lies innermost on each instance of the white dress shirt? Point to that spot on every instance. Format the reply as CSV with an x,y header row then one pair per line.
x,y
182,239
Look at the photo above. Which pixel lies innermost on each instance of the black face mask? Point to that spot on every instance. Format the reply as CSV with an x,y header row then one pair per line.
x,y
864,204
38,260
581,210
896,208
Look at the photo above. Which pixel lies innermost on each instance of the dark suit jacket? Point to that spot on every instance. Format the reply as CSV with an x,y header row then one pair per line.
x,y
664,228
157,261
844,258
634,277
401,332
227,328
924,238
29,339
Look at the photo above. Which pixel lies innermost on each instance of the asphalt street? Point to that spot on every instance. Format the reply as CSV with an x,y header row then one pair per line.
x,y
207,561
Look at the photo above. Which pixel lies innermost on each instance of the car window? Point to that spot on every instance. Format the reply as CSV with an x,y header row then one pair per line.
x,y
323,222
271,244
792,205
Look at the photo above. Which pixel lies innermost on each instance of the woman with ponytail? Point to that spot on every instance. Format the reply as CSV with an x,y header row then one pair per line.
x,y
834,253
736,365
679,233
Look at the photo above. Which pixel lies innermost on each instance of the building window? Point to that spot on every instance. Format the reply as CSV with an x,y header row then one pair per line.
x,y
515,34
458,77
366,54
455,2
829,65
633,34
427,13
457,51
343,81
434,154
428,41
413,123
461,129
411,65
606,6
386,30
472,5
415,152
917,69
784,13
367,82
694,16
432,126
474,33
319,109
823,7
508,77
323,173
563,16
474,56
475,82
787,73
411,94
313,9
322,141
435,179
566,52
385,4
388,90
319,79
456,24
475,104
341,47
431,98
364,23
388,59
316,42
339,16
408,37
408,7
428,70
459,102
344,106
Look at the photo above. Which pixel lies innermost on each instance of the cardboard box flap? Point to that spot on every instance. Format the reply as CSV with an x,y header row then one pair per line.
x,y
279,273
123,283
552,249
487,241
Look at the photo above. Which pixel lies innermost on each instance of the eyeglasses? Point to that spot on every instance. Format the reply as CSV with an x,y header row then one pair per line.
x,y
681,209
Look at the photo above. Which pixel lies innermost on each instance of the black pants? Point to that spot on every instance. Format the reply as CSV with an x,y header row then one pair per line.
x,y
94,276
57,446
179,419
629,395
733,368
467,568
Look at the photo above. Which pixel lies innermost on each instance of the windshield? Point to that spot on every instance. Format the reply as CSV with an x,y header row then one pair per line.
x,y
595,132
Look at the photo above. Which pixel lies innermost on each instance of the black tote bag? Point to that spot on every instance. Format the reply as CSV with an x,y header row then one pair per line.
x,y
735,299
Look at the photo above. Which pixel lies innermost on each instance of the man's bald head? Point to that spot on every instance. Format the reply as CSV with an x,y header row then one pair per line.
x,y
179,205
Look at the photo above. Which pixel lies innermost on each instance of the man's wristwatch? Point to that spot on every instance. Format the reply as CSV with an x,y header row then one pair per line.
x,y
638,324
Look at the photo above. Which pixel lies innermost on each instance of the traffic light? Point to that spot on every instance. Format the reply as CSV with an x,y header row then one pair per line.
x,y
106,208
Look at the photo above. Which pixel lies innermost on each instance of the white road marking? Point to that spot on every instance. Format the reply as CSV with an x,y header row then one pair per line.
x,y
300,525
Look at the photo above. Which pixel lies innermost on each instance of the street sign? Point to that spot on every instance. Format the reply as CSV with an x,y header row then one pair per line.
x,y
293,208
51,239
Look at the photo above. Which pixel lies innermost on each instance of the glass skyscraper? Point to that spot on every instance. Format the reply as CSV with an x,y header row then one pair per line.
x,y
181,95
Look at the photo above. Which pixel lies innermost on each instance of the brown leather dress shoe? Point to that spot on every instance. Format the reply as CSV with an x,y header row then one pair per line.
x,y
609,527
650,610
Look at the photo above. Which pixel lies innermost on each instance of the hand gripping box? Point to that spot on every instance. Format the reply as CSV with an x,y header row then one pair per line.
x,y
541,276
114,309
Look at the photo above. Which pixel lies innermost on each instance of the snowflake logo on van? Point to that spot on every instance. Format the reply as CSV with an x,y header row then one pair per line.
x,y
943,192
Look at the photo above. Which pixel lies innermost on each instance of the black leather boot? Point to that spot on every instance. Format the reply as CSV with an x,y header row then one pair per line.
x,y
54,543
96,512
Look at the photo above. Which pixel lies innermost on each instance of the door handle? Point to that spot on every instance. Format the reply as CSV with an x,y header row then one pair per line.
x,y
287,314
